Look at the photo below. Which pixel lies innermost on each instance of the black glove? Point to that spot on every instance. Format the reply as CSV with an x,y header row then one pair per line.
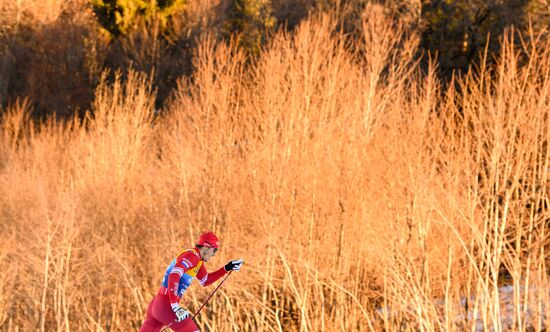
x,y
234,265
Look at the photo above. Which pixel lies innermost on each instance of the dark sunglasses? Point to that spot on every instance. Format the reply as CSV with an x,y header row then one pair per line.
x,y
211,246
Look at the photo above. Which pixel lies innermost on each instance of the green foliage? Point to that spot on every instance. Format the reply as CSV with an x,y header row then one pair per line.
x,y
119,17
249,21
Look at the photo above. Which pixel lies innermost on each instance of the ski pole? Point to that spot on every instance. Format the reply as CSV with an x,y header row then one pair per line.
x,y
196,313
215,290
165,328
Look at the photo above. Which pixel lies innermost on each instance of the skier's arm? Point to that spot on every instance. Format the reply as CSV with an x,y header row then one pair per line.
x,y
173,282
186,263
206,278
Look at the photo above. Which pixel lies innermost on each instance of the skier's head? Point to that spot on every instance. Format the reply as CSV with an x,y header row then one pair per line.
x,y
208,239
208,244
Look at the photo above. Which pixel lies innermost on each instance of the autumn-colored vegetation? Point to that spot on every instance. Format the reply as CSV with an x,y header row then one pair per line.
x,y
363,192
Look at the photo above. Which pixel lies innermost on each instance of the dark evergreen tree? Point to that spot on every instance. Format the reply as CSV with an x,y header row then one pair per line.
x,y
119,17
249,22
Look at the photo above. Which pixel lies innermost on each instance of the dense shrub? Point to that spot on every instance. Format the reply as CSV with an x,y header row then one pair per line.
x,y
119,17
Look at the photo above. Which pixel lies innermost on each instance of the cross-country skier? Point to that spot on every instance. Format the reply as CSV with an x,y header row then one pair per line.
x,y
164,309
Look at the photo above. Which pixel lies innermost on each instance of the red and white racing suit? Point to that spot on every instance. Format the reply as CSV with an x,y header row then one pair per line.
x,y
178,277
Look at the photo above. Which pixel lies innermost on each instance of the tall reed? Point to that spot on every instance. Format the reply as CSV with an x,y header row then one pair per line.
x,y
362,194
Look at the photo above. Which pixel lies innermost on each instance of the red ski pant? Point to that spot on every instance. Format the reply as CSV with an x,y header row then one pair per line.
x,y
160,314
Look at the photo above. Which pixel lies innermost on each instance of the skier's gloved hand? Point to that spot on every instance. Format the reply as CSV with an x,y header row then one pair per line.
x,y
181,313
234,265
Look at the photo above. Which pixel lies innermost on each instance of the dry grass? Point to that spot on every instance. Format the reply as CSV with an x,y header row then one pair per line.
x,y
361,194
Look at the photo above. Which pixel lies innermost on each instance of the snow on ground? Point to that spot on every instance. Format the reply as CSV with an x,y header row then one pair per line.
x,y
534,316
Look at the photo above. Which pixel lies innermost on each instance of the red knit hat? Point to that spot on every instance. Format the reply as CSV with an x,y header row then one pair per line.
x,y
209,239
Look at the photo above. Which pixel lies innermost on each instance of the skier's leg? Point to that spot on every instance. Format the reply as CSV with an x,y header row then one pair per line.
x,y
161,311
151,324
186,325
